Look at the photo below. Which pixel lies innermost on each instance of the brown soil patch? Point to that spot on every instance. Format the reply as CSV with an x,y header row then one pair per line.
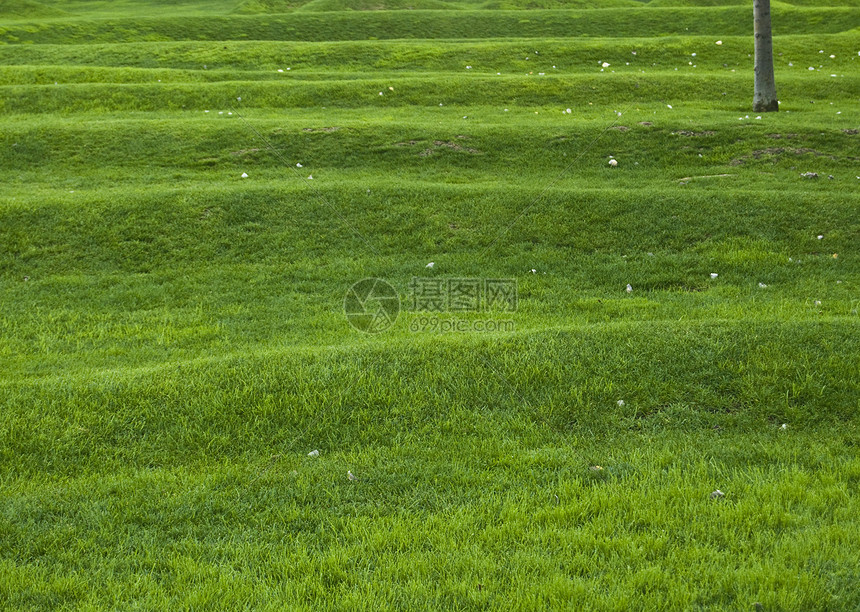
x,y
688,133
444,144
778,151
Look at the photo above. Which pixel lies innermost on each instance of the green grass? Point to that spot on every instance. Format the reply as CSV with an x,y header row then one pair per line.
x,y
173,342
423,24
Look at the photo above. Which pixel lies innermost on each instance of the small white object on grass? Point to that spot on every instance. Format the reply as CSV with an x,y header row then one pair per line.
x,y
762,286
244,175
613,163
298,165
314,453
717,494
605,64
719,42
533,271
629,288
310,177
430,265
820,236
784,426
620,402
350,475
714,275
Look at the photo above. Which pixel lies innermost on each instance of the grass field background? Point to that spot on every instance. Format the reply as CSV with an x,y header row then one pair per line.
x,y
173,342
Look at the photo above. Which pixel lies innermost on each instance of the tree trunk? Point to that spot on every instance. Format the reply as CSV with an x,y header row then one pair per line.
x,y
764,97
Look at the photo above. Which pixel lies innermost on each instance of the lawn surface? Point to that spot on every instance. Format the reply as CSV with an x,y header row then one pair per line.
x,y
190,189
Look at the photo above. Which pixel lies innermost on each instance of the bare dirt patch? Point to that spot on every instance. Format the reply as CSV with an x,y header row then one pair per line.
x,y
439,144
776,152
688,133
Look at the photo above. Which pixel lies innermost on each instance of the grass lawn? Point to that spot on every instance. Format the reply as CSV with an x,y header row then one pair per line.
x,y
592,386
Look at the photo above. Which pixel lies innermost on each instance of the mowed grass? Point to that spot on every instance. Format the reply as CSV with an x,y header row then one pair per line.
x,y
173,342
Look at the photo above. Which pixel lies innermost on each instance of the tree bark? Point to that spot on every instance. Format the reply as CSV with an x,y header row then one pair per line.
x,y
764,96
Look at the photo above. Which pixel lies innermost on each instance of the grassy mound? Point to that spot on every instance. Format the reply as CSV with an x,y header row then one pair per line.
x,y
665,416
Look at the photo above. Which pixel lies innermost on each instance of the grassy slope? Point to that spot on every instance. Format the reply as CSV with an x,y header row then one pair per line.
x,y
172,342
